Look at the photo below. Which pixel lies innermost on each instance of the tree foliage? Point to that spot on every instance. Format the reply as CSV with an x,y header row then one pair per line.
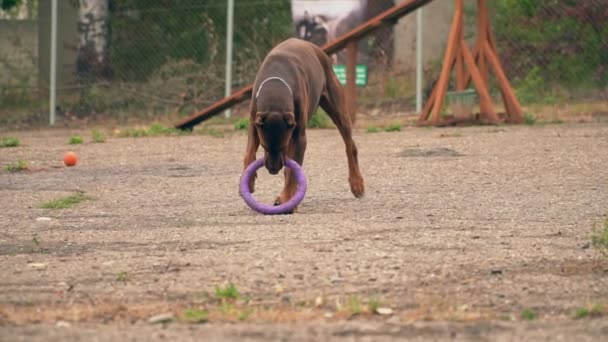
x,y
566,39
148,33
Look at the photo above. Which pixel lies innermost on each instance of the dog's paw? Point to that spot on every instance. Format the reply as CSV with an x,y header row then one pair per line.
x,y
280,200
357,187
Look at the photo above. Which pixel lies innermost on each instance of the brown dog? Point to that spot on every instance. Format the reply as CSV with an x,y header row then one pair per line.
x,y
293,80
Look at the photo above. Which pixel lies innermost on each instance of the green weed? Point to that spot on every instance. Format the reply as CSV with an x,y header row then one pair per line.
x,y
98,136
595,311
241,124
75,140
319,120
195,316
354,306
9,142
528,315
122,276
599,237
20,165
228,292
529,119
64,202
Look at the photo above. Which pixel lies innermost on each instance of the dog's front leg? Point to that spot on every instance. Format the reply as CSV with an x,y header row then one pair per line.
x,y
297,148
253,143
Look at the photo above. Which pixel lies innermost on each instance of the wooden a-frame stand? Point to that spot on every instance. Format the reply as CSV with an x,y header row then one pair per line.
x,y
472,66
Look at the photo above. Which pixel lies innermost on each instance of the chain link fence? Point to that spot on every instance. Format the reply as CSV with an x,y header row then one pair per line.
x,y
142,59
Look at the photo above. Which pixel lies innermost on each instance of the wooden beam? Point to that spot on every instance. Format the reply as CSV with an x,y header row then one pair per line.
x,y
485,101
448,60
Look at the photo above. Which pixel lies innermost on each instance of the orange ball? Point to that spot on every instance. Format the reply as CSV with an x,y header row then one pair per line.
x,y
70,159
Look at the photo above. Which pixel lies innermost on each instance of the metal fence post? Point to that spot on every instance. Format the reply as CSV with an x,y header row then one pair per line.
x,y
419,63
229,34
53,66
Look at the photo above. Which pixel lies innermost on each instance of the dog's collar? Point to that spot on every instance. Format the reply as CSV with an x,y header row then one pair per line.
x,y
270,79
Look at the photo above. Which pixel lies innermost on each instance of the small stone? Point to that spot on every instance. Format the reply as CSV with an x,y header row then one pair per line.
x,y
43,219
384,311
586,246
162,318
62,324
328,315
496,271
37,265
318,301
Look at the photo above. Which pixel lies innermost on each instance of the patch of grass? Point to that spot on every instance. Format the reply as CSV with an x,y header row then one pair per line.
x,y
75,140
244,314
226,308
9,142
241,124
528,315
36,241
393,128
158,129
450,135
373,305
64,202
98,136
228,292
389,128
20,165
599,237
195,316
595,311
529,119
154,130
122,276
212,131
319,120
354,307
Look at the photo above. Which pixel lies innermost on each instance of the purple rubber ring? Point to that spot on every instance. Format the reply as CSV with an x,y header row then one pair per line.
x,y
273,209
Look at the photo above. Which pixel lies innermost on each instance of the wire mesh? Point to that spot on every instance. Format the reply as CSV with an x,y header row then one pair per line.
x,y
144,58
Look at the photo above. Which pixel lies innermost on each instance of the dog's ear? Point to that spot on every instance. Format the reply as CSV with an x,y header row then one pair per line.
x,y
260,117
290,119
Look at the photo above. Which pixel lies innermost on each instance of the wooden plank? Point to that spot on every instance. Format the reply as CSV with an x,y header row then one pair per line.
x,y
485,101
448,60
216,108
515,111
482,24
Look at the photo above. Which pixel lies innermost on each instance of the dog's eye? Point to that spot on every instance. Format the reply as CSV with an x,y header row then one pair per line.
x,y
259,119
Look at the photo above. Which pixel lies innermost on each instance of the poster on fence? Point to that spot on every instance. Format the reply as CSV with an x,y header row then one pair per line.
x,y
321,21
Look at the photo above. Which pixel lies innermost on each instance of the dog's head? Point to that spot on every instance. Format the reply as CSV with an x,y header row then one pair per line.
x,y
274,130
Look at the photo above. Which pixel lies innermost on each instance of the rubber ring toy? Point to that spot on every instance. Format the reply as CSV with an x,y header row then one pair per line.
x,y
273,209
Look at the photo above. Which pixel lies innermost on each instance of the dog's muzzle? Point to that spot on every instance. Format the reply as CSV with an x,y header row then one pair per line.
x,y
274,162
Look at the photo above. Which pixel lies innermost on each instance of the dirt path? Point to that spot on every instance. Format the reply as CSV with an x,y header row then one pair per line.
x,y
460,231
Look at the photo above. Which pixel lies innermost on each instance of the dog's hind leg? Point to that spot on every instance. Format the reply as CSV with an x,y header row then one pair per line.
x,y
332,102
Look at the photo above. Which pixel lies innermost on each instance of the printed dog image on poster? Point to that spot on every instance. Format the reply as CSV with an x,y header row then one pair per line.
x,y
322,21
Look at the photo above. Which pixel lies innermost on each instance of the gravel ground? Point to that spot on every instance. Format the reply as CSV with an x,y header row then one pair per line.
x,y
461,230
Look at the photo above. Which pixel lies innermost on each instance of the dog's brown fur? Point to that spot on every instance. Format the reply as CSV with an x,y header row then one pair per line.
x,y
278,120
